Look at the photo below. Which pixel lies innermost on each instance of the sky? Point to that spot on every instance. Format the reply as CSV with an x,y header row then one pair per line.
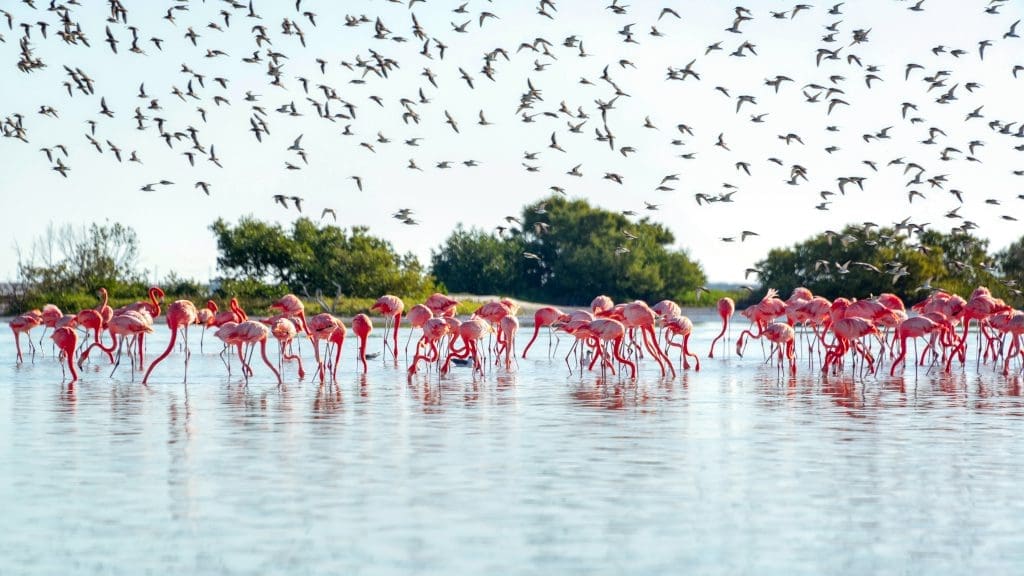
x,y
173,220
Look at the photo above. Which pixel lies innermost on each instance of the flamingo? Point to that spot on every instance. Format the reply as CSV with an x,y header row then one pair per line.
x,y
679,325
284,330
915,328
391,308
249,333
24,324
151,307
609,330
1015,326
130,324
336,339
233,314
726,308
320,328
979,307
783,337
66,340
847,331
291,306
106,312
418,316
205,317
600,304
544,317
51,314
362,327
433,330
639,315
471,332
180,315
507,328
441,305
91,319
226,333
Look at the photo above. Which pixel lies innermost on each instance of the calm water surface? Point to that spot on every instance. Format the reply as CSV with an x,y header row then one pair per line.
x,y
730,470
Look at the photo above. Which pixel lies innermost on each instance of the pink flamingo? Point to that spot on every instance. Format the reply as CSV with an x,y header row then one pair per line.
x,y
768,309
916,327
979,307
441,305
683,327
106,312
180,315
91,319
291,306
67,321
608,330
205,317
362,327
232,314
726,308
847,331
284,331
130,324
418,316
226,334
577,325
433,330
337,340
250,333
471,332
24,324
783,337
507,328
391,308
639,315
66,340
51,314
667,308
815,312
544,317
151,307
1015,326
601,304
320,328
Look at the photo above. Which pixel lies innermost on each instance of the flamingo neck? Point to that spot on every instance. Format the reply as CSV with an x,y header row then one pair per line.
x,y
153,302
69,356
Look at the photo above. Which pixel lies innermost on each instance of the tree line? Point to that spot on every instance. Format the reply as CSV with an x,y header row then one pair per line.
x,y
556,250
909,262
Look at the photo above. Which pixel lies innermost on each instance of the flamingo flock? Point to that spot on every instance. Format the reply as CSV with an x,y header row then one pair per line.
x,y
610,337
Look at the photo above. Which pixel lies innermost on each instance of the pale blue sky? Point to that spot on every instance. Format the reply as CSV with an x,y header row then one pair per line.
x,y
173,220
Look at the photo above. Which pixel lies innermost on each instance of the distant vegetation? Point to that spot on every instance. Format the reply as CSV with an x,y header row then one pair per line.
x,y
566,252
342,271
309,259
860,262
556,251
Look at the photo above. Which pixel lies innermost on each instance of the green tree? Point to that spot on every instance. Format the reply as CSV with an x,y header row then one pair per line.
x,y
478,262
81,259
315,258
568,252
861,262
1010,262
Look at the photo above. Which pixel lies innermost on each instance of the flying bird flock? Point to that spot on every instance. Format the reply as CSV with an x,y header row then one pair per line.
x,y
739,127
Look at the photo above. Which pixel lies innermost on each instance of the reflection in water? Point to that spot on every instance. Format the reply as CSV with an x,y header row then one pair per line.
x,y
738,468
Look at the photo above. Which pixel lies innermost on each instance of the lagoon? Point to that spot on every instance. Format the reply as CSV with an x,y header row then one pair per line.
x,y
735,469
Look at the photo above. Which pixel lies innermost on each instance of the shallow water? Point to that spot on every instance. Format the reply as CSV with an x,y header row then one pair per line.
x,y
734,469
